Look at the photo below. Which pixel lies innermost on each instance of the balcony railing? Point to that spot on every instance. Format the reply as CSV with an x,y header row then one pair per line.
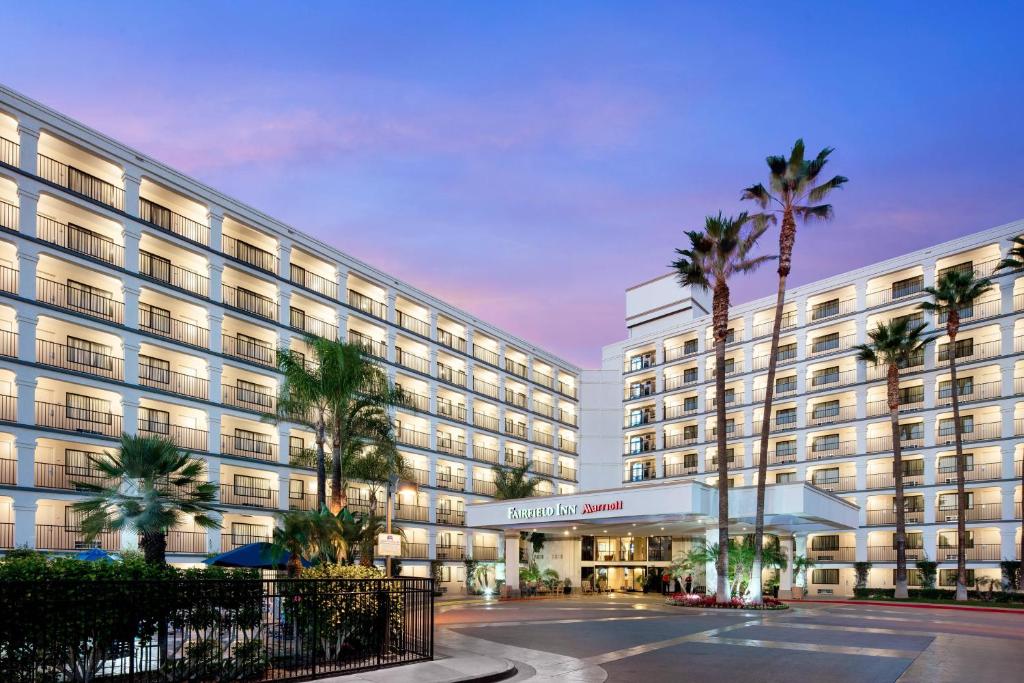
x,y
451,552
979,351
887,480
79,240
411,437
9,471
299,320
187,438
484,487
78,359
515,367
174,223
887,553
485,421
971,392
420,327
635,474
257,352
412,513
975,432
80,182
566,417
778,456
159,323
174,382
313,282
783,391
186,542
450,516
677,439
677,352
978,511
415,551
831,309
412,361
831,449
8,344
481,452
80,420
50,475
541,467
10,152
446,373
979,552
884,296
247,253
453,411
566,472
249,496
232,540
881,444
8,280
162,270
514,458
370,346
978,311
543,379
834,379
827,416
56,537
76,299
765,328
887,517
840,484
679,469
248,447
841,554
881,407
820,347
485,354
452,482
300,500
452,341
452,446
250,302
484,387
783,357
566,445
361,302
259,400
880,371
976,471
485,552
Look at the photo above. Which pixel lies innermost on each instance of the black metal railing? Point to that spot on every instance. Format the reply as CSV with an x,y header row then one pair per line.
x,y
313,282
250,302
160,323
188,438
59,537
262,400
174,382
10,152
52,475
8,279
249,496
255,351
172,222
78,359
187,542
8,343
79,300
303,322
248,447
74,419
161,269
80,182
247,253
363,303
79,240
188,629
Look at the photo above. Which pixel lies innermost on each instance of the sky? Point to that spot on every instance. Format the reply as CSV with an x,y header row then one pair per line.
x,y
528,161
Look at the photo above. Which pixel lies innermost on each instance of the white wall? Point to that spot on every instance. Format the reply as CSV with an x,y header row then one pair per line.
x,y
601,424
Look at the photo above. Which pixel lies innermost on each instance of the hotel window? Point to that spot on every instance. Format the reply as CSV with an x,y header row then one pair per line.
x,y
641,471
644,388
296,489
911,395
825,477
947,577
947,425
252,442
251,347
252,393
690,347
730,396
88,298
964,384
786,416
965,267
638,416
785,384
251,487
730,364
92,354
644,360
155,318
827,442
913,541
785,477
80,463
690,460
911,319
825,376
154,421
949,540
825,309
689,375
156,267
825,542
825,577
587,548
243,533
155,369
659,548
79,407
826,409
912,431
947,501
963,348
689,432
689,404
947,463
907,286
911,468
911,504
784,448
786,352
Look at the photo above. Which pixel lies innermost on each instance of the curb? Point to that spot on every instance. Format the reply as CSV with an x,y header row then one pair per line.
x,y
914,605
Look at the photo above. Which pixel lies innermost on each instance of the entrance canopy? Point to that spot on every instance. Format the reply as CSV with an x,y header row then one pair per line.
x,y
683,507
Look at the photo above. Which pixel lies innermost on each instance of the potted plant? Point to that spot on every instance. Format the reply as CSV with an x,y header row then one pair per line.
x,y
567,587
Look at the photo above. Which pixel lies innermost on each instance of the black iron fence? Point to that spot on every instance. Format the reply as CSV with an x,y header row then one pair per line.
x,y
212,630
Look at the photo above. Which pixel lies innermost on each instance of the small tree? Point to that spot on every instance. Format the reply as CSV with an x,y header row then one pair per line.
x,y
801,565
861,570
928,569
513,482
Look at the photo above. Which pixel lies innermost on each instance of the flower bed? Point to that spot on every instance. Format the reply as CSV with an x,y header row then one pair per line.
x,y
709,601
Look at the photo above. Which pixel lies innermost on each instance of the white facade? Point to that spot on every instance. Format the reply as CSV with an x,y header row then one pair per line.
x,y
134,298
830,421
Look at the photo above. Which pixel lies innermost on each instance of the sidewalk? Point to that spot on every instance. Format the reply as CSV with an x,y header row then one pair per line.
x,y
449,666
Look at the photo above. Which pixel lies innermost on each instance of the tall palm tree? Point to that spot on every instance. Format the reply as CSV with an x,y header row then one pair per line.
x,y
314,534
513,482
723,249
150,486
363,437
376,466
793,192
1014,261
895,345
955,292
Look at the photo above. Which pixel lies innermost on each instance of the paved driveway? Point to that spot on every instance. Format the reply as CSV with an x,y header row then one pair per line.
x,y
624,638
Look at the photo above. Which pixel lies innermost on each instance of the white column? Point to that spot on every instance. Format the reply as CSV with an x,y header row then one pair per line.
x,y
786,575
284,257
710,570
282,486
28,141
24,520
282,447
213,536
214,375
131,305
28,260
511,563
28,203
215,219
132,180
130,419
342,279
27,323
216,278
392,301
26,388
131,362
213,432
216,322
130,236
284,310
26,454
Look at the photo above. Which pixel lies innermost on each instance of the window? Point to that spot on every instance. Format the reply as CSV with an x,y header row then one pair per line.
x,y
730,365
689,375
828,342
640,471
636,417
297,318
947,463
963,348
730,336
914,541
88,298
912,431
690,460
908,286
947,426
587,548
947,577
92,354
965,267
690,347
730,395
911,319
785,477
949,540
157,267
825,309
911,395
912,468
79,407
825,543
785,416
947,501
154,369
251,487
689,404
689,432
825,577
965,386
242,533
825,376
154,421
644,388
826,409
785,448
911,504
826,476
827,442
78,462
155,318
644,360
913,576
785,384
251,347
252,393
252,442
296,489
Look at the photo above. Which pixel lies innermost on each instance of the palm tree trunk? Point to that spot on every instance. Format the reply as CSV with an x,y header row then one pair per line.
x,y
338,497
154,547
294,565
961,503
720,312
321,466
893,386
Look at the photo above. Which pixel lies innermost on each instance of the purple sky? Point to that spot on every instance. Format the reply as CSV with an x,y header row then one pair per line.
x,y
528,161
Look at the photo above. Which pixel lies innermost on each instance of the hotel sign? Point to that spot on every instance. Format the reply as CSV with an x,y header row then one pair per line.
x,y
561,510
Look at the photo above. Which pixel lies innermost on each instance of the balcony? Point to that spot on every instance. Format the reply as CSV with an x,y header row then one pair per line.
x,y
8,471
515,367
78,359
841,554
248,447
361,504
566,472
8,344
452,341
887,480
361,302
837,484
412,513
831,449
155,321
484,487
969,354
50,475
412,361
515,398
186,542
79,240
970,433
412,437
486,388
451,446
485,354
79,299
415,551
450,481
56,537
900,290
543,438
485,553
832,309
515,458
978,552
887,517
831,344
78,420
644,472
677,439
679,469
979,311
541,467
8,280
79,182
313,282
247,253
881,407
173,382
447,373
545,409
420,327
233,540
10,152
970,392
250,349
566,445
174,223
161,270
543,379
778,456
565,389
566,417
976,512
887,553
249,496
250,302
782,357
261,400
827,415
763,329
451,517
829,380
187,438
370,346
300,500
301,321
881,444
485,421
453,411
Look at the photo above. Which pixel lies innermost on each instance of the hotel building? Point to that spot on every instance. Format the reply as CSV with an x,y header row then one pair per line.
x,y
136,299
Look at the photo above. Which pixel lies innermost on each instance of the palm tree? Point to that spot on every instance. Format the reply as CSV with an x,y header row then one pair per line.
x,y
314,534
955,292
376,466
721,251
896,345
363,437
793,193
513,483
1015,261
149,486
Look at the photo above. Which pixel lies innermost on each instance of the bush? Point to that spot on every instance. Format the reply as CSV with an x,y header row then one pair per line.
x,y
709,601
935,594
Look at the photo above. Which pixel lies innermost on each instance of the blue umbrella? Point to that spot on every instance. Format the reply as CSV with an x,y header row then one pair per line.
x,y
253,556
94,555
